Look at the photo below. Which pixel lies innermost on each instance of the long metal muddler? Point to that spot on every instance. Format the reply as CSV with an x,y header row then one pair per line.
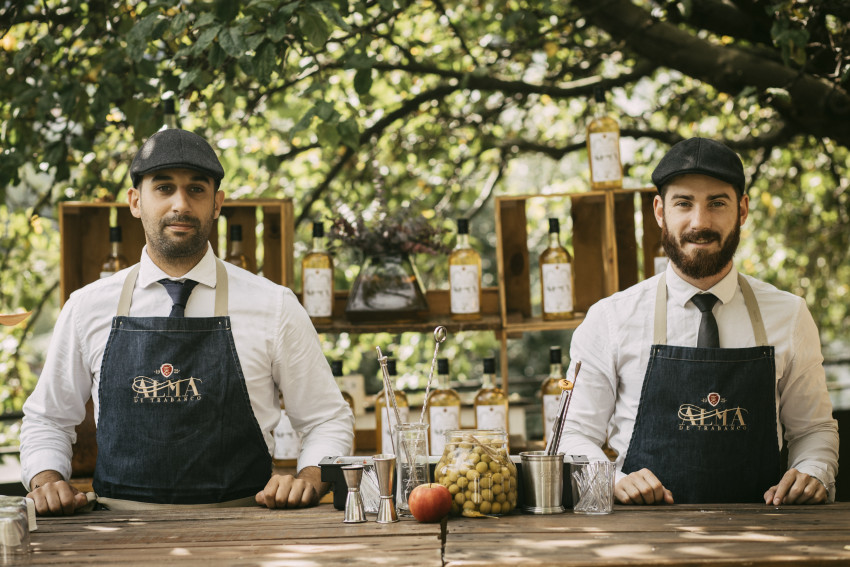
x,y
567,389
440,334
389,395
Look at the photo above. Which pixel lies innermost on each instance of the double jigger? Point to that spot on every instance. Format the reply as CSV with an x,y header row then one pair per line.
x,y
385,471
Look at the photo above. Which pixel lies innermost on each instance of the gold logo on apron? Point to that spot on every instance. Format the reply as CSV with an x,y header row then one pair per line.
x,y
169,390
696,418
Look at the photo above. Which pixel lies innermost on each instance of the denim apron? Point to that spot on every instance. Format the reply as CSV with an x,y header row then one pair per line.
x,y
706,423
175,424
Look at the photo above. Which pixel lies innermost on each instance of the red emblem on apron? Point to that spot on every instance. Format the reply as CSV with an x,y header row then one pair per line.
x,y
713,398
166,370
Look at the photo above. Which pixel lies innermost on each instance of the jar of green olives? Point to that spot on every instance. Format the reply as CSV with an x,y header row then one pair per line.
x,y
478,472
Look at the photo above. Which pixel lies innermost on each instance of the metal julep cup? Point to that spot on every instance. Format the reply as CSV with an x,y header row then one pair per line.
x,y
593,487
14,538
542,482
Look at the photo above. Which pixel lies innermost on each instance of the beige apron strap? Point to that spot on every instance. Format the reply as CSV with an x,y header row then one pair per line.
x,y
660,334
127,291
754,311
220,289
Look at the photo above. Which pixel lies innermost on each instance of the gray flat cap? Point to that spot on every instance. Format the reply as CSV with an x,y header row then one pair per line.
x,y
704,156
175,148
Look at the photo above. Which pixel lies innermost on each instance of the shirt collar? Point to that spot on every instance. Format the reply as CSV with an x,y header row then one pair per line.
x,y
203,272
680,291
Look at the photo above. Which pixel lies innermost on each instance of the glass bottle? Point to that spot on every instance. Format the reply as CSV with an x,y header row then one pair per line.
x,y
443,409
464,278
556,277
383,424
491,402
317,279
603,147
169,115
336,370
287,442
235,254
659,259
115,261
552,391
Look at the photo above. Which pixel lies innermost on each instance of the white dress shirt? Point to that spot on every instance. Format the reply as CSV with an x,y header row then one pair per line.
x,y
613,344
276,342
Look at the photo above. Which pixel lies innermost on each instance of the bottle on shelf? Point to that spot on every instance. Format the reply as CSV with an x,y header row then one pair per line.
x,y
659,259
443,409
115,261
491,402
169,115
552,391
464,277
385,420
235,253
556,278
336,370
603,147
287,442
317,282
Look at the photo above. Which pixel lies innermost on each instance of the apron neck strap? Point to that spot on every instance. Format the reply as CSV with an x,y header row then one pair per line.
x,y
660,332
220,290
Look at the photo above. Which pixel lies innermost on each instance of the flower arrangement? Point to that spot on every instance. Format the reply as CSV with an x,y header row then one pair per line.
x,y
378,232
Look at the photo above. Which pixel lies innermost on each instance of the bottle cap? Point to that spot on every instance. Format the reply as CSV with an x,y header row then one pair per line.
x,y
114,234
318,230
235,232
442,366
555,355
391,367
554,225
489,366
336,367
168,106
463,226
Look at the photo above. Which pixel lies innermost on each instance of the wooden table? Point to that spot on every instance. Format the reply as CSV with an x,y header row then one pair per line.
x,y
674,535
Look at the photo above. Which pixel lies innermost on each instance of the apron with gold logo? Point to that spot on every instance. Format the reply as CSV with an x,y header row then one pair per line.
x,y
706,424
175,424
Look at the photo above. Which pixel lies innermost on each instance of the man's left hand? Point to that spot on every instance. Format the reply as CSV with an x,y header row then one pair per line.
x,y
796,488
287,491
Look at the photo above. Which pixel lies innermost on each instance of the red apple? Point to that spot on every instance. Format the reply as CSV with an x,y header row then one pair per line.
x,y
430,502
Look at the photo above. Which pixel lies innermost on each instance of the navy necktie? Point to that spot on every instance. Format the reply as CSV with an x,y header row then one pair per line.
x,y
709,337
179,293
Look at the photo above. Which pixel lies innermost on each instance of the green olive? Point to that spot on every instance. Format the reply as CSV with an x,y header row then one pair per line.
x,y
482,468
460,499
495,508
485,508
473,475
462,481
485,482
453,489
487,495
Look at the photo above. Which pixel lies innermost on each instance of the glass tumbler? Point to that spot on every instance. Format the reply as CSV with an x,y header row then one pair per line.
x,y
411,445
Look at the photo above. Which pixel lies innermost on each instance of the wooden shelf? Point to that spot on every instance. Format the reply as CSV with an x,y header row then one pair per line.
x,y
517,325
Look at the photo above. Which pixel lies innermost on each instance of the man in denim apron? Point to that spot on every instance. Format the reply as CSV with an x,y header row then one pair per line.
x,y
184,413
694,376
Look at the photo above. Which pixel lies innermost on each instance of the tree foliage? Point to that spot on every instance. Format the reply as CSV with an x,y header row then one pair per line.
x,y
440,104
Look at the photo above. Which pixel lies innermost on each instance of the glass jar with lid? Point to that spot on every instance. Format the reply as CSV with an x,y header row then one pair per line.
x,y
477,470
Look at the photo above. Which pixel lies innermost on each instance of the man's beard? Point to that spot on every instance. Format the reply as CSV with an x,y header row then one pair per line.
x,y
193,245
702,264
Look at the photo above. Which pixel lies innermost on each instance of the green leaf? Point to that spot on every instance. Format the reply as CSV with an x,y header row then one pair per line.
x,y
207,36
216,56
363,81
180,22
265,62
328,134
387,5
205,19
231,41
304,123
349,132
313,26
326,111
189,79
137,39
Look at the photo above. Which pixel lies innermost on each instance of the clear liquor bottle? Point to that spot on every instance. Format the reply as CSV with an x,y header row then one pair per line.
x,y
556,278
287,441
603,147
491,402
169,114
115,261
235,253
552,391
385,420
464,277
317,282
443,409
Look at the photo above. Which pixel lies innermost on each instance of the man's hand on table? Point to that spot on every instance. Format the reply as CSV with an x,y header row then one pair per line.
x,y
642,487
53,496
287,491
796,488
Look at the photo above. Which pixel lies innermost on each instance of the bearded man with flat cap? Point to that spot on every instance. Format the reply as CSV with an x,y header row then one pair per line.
x,y
697,376
183,356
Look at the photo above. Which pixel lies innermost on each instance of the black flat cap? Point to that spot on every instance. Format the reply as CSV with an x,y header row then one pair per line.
x,y
175,148
704,156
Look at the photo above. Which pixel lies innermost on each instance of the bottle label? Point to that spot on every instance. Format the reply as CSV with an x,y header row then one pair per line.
x,y
550,413
557,288
287,443
387,425
442,419
465,292
604,153
318,300
491,417
660,263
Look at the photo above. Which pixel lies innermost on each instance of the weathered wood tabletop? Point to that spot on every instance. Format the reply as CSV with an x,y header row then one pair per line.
x,y
674,535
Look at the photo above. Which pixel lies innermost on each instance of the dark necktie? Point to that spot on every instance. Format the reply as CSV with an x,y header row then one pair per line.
x,y
179,293
708,334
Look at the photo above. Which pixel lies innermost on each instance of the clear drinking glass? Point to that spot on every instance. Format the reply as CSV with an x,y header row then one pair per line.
x,y
593,487
14,538
411,445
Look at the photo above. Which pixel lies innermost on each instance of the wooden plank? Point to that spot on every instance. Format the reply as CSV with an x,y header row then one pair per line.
x,y
588,214
626,241
651,232
512,261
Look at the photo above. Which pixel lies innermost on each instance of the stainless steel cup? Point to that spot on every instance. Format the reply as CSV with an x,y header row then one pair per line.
x,y
542,482
385,469
14,538
354,510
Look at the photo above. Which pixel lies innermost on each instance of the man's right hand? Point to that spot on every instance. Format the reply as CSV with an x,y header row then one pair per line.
x,y
53,496
642,487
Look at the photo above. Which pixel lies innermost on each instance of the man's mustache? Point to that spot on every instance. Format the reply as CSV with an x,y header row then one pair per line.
x,y
701,236
182,219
